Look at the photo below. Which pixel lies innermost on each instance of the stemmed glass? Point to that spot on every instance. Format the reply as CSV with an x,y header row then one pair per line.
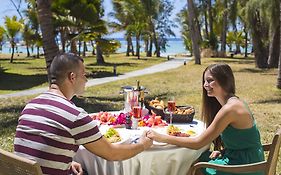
x,y
171,108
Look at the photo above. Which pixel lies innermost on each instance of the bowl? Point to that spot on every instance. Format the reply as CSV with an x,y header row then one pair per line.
x,y
182,114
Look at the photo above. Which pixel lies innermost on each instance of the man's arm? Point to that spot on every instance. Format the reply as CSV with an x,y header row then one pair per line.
x,y
110,151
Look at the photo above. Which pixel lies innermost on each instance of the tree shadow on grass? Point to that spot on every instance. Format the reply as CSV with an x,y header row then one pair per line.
x,y
11,81
9,116
111,64
237,61
101,74
269,101
96,104
110,73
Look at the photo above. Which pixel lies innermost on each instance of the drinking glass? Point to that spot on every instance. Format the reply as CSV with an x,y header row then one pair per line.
x,y
171,108
136,116
137,112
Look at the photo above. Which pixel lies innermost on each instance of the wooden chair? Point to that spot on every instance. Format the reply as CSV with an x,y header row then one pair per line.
x,y
11,164
268,166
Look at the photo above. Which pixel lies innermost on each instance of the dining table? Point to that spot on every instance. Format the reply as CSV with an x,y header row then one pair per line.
x,y
161,158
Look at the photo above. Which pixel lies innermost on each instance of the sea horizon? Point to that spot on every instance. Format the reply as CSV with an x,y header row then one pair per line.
x,y
174,46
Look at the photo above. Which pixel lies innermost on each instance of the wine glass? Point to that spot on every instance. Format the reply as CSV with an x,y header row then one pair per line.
x,y
171,108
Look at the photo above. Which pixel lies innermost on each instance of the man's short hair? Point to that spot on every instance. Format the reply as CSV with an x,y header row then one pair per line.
x,y
62,65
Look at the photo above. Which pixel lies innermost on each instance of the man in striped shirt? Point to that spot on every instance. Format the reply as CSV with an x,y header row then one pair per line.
x,y
51,127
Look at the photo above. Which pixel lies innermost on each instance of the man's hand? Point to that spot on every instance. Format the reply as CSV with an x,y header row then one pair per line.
x,y
155,136
76,168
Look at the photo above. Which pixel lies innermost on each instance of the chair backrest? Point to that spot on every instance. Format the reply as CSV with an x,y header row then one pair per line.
x,y
12,164
273,153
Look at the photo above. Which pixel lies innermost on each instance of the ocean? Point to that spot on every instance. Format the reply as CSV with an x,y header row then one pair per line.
x,y
175,46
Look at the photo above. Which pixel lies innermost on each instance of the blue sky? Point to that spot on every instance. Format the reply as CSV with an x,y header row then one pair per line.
x,y
7,9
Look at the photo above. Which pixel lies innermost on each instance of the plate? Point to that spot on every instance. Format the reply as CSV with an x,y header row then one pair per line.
x,y
125,135
188,129
183,128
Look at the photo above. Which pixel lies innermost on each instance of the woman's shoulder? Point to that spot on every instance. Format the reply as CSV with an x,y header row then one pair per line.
x,y
234,107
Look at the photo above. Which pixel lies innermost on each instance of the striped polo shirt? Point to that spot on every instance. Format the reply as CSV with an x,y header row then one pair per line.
x,y
50,130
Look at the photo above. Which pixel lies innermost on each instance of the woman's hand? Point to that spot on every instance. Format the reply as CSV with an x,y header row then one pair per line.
x,y
76,168
215,154
155,136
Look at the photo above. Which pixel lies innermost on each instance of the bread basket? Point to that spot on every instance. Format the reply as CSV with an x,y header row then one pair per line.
x,y
182,114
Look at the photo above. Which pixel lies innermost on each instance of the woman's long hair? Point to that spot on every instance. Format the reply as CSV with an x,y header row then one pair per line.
x,y
223,74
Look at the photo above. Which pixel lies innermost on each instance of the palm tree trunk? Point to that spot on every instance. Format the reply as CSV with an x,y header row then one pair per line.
x,y
206,19
93,47
246,41
212,36
224,30
48,36
132,46
260,51
13,51
274,48
100,59
128,38
149,52
27,50
38,54
84,48
194,31
278,85
63,38
138,46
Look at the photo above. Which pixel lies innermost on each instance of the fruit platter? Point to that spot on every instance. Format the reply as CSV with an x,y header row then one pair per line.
x,y
119,119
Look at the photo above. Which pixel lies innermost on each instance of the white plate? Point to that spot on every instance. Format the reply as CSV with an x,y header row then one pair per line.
x,y
185,128
125,136
163,130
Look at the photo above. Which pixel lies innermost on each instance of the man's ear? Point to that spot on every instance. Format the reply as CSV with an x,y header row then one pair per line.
x,y
71,76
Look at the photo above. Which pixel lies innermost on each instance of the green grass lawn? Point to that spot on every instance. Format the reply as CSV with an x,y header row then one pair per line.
x,y
28,73
256,86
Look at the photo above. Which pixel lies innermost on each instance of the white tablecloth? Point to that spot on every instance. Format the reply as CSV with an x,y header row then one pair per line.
x,y
158,160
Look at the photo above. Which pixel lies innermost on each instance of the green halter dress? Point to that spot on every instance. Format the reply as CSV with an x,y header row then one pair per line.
x,y
242,146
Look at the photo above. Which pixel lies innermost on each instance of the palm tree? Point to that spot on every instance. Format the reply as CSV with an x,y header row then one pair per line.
x,y
278,85
48,36
194,31
224,29
212,36
123,21
13,27
183,20
259,31
27,37
31,31
2,32
274,34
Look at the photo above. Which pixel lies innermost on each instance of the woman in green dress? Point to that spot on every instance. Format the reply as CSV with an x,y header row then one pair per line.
x,y
229,121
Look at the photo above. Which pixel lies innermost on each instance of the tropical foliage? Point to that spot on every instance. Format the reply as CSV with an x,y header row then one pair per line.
x,y
12,26
251,27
